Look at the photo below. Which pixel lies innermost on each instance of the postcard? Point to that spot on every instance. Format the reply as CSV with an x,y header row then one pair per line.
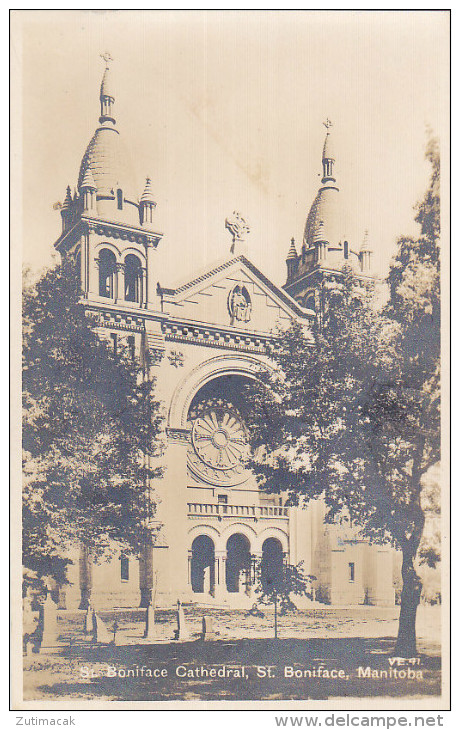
x,y
230,237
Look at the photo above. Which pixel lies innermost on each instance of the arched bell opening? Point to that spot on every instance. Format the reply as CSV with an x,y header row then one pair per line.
x,y
133,278
238,564
107,273
271,568
203,565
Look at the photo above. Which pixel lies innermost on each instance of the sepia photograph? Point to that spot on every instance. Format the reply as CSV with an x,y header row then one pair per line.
x,y
230,236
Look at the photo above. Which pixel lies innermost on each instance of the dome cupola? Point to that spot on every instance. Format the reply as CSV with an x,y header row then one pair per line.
x,y
106,163
325,209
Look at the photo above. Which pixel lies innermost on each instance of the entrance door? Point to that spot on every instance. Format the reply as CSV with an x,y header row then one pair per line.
x,y
238,566
271,569
202,568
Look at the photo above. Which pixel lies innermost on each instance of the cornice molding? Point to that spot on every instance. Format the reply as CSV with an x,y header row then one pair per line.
x,y
101,227
320,272
215,336
118,320
184,331
121,231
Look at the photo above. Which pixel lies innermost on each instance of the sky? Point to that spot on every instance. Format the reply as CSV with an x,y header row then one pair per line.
x,y
224,111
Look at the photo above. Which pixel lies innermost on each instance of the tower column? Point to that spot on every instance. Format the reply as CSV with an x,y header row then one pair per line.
x,y
142,286
93,268
119,282
83,267
220,588
150,278
116,287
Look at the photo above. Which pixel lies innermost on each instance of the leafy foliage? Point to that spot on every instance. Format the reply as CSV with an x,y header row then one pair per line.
x,y
351,412
277,586
91,433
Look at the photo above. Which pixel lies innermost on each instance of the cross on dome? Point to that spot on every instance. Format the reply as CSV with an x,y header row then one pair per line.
x,y
328,153
106,57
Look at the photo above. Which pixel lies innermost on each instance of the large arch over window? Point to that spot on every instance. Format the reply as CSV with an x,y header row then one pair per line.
x,y
107,273
216,367
133,278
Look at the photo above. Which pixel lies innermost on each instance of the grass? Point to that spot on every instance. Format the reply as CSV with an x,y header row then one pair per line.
x,y
336,639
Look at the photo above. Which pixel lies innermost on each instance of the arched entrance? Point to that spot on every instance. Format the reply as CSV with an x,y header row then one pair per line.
x,y
202,565
271,569
238,565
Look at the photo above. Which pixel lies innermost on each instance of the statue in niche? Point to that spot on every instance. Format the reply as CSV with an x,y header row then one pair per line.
x,y
239,304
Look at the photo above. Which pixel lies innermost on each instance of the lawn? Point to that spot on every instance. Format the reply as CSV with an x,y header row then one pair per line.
x,y
318,655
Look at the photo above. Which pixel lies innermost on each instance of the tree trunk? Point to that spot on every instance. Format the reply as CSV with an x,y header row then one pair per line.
x,y
276,615
146,576
406,644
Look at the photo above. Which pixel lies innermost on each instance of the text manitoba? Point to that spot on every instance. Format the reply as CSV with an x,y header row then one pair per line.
x,y
368,673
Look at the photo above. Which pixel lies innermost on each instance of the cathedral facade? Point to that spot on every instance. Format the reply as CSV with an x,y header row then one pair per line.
x,y
208,336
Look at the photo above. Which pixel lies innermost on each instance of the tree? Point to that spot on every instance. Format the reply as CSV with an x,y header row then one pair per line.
x,y
91,433
415,303
351,414
277,581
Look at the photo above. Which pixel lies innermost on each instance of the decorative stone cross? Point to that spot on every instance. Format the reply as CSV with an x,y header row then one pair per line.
x,y
106,57
237,226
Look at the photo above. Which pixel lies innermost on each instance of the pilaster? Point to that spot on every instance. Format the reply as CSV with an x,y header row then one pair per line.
x,y
150,278
119,284
172,513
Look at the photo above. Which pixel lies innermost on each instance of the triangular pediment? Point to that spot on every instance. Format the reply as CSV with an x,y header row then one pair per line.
x,y
233,292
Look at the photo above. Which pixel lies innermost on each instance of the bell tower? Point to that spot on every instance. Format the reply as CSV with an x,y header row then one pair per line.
x,y
326,248
109,236
107,231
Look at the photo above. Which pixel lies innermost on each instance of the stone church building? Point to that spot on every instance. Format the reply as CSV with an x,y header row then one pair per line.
x,y
209,335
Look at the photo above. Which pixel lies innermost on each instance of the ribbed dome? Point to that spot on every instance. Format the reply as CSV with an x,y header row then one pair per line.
x,y
107,160
324,218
